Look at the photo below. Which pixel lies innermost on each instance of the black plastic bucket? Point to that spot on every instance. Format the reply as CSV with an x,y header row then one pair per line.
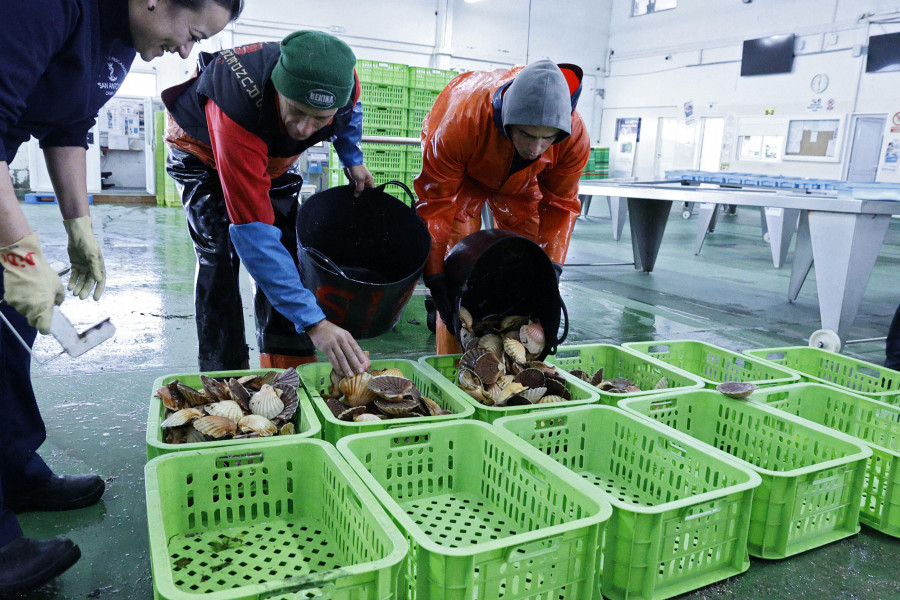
x,y
361,257
496,272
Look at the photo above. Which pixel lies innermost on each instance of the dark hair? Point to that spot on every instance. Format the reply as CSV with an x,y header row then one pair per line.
x,y
234,6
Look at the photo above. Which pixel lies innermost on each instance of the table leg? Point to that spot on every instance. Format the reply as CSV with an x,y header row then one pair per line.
x,y
844,250
803,257
648,224
618,211
782,222
762,223
705,222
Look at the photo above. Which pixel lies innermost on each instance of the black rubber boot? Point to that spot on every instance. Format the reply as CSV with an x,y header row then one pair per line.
x,y
892,344
60,492
26,563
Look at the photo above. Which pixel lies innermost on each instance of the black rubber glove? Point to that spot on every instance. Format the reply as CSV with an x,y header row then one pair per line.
x,y
558,268
437,285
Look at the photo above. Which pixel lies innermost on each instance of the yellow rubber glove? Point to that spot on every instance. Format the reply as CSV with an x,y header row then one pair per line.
x,y
30,285
86,259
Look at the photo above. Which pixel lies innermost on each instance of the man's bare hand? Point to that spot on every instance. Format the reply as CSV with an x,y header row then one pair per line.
x,y
338,345
361,178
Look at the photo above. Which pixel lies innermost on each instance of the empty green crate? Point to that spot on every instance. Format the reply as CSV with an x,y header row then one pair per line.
x,y
384,157
370,71
426,78
821,366
385,117
714,365
445,366
377,94
875,423
646,372
422,99
486,516
680,513
286,520
415,117
812,476
305,421
316,379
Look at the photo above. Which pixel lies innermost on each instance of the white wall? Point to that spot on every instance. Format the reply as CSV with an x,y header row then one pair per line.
x,y
692,53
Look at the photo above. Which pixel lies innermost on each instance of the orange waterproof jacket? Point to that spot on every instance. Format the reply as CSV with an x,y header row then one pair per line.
x,y
466,159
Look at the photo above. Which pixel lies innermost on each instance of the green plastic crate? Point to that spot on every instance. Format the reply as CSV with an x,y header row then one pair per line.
x,y
680,513
422,99
384,157
413,159
445,366
316,379
287,520
714,365
486,516
370,71
621,362
812,476
385,117
821,366
378,94
426,78
415,117
305,421
875,423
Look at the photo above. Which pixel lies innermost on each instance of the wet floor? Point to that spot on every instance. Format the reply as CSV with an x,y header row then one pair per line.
x,y
95,406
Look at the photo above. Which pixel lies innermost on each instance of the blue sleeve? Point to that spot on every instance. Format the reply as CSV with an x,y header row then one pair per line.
x,y
347,134
271,266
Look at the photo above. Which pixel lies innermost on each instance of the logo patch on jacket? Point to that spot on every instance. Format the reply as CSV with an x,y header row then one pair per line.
x,y
320,98
111,75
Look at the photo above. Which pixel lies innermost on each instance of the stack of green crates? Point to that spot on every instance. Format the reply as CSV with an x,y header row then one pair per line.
x,y
166,192
598,164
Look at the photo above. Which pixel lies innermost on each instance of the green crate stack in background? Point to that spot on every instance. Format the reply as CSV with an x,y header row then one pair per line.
x,y
166,192
597,166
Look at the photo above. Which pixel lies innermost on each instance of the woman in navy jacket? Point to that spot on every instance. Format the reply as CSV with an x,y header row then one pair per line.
x,y
60,61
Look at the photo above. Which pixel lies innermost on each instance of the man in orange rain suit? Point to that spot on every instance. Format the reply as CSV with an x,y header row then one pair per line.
x,y
513,139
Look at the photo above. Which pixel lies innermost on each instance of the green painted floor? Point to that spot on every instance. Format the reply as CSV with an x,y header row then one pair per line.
x,y
95,406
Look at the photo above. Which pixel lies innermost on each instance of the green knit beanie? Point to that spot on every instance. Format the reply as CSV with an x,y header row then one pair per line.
x,y
315,69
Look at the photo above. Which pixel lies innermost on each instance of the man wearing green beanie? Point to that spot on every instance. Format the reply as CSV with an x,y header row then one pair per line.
x,y
235,131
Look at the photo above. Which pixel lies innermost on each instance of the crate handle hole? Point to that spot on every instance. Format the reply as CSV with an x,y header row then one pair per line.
x,y
533,550
238,460
705,513
548,423
410,440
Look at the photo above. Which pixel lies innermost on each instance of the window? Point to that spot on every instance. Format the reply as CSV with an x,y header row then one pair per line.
x,y
644,7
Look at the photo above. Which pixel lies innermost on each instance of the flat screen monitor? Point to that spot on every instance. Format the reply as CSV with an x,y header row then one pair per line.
x,y
764,56
884,53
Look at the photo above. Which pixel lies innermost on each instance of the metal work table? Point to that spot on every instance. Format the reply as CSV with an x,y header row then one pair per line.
x,y
841,234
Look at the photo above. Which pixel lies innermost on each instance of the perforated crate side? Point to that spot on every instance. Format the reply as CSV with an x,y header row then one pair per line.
x,y
875,423
377,94
427,78
370,71
422,99
821,366
811,476
538,525
288,519
713,364
384,157
680,514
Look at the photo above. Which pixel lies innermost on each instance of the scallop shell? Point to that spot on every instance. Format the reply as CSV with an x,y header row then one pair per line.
x,y
466,337
662,384
191,396
403,408
349,414
597,377
531,377
214,388
217,427
291,402
390,387
532,336
391,371
226,408
512,322
266,402
534,394
334,389
194,437
515,349
356,391
499,395
289,377
287,429
258,424
181,417
470,357
465,318
489,368
582,375
366,417
492,343
736,389
434,409
468,380
239,394
169,396
549,399
556,388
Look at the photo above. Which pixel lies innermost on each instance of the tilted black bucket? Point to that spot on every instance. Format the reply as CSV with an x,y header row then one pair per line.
x,y
496,272
361,257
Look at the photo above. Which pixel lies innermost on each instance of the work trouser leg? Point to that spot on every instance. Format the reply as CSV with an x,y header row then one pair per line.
x,y
280,346
21,427
892,344
218,311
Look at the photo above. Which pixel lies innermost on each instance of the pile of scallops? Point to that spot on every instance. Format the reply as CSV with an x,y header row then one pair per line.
x,y
376,396
230,408
499,366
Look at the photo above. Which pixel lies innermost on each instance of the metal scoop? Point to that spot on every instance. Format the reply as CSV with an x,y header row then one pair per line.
x,y
72,342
